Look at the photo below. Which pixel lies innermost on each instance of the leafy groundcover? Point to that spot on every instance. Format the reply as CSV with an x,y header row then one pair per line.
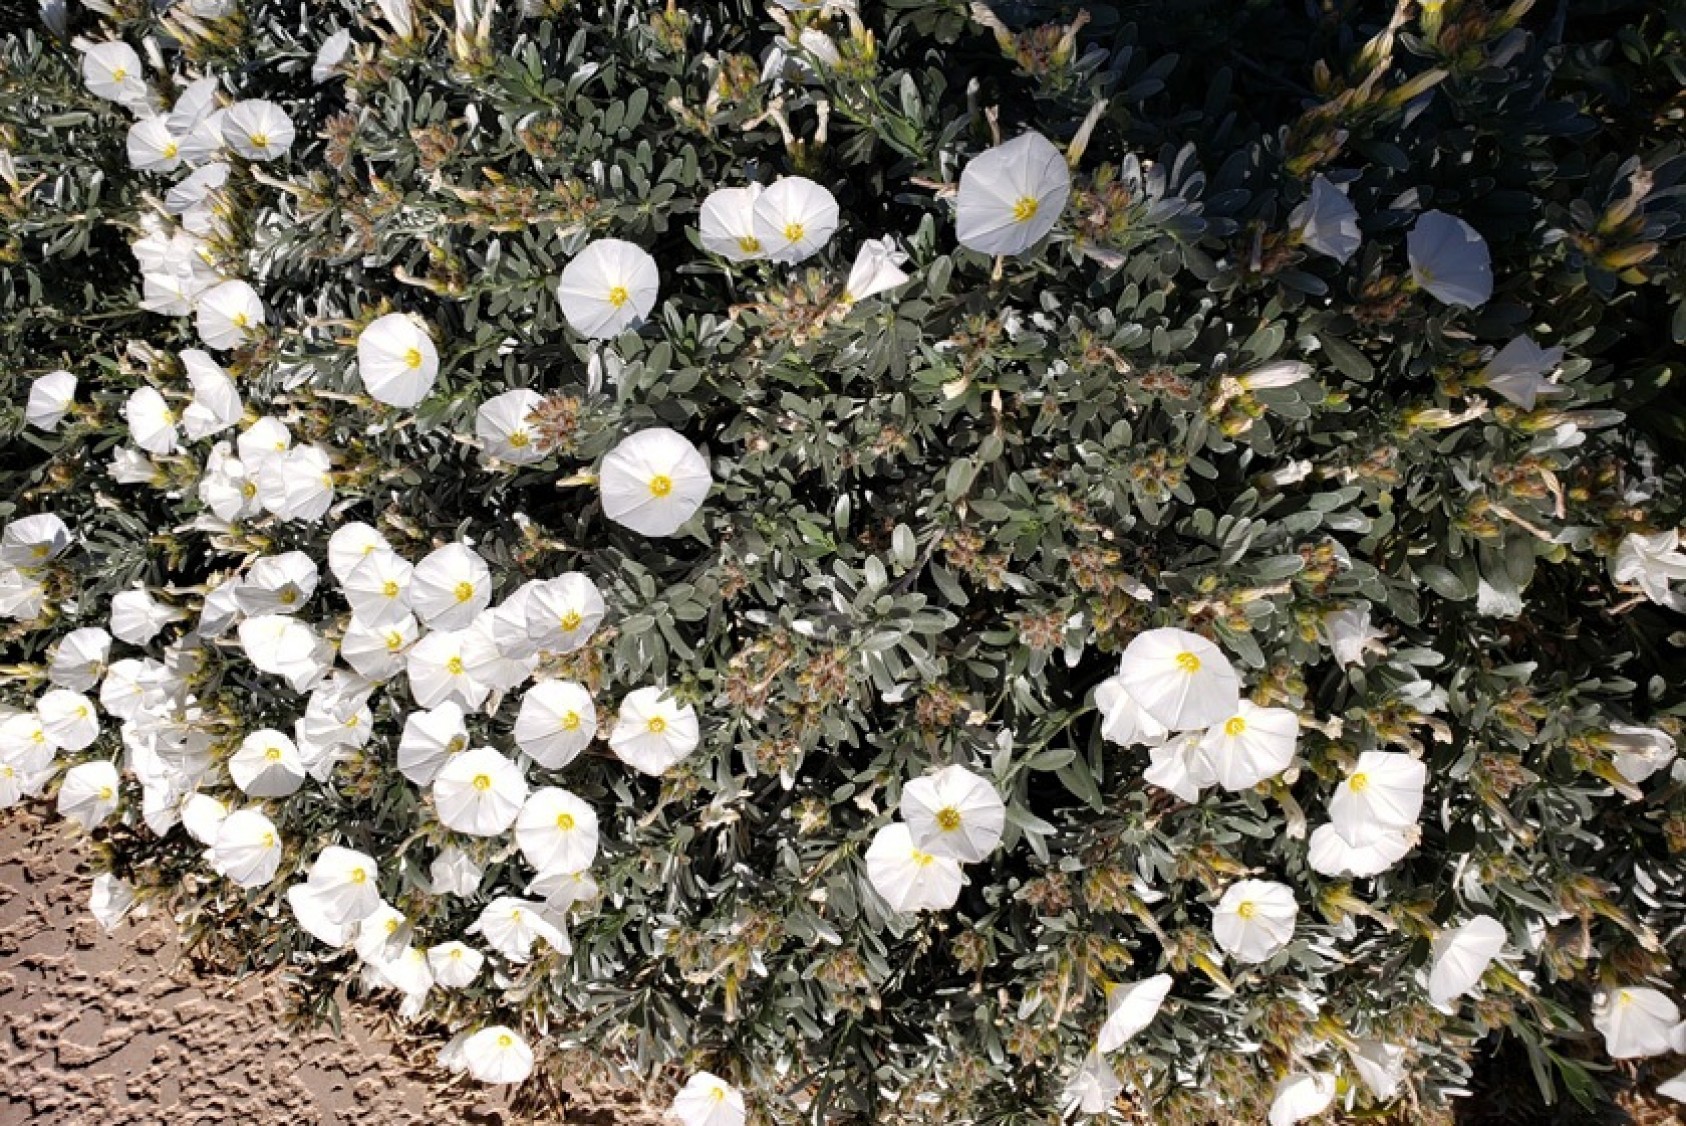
x,y
870,561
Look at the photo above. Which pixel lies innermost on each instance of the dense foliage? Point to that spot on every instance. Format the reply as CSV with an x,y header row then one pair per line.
x,y
939,514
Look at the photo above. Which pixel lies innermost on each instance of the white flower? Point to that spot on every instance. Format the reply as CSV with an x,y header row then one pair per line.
x,y
382,936
1384,791
708,1100
1636,1021
1327,221
1461,955
110,899
906,876
877,269
113,71
50,399
228,314
450,587
1521,372
954,813
1250,746
1651,563
1181,680
479,792
247,850
562,613
278,584
264,441
193,105
216,402
450,665
429,740
285,647
1179,766
1301,1096
557,831
726,223
454,872
379,652
88,793
352,543
1011,196
1254,919
1131,1008
378,588
654,481
653,731
455,965
136,617
329,56
267,765
257,130
1349,635
152,424
556,722
33,540
129,687
345,884
1380,1066
1122,721
1449,259
22,594
151,146
79,660
68,719
794,219
397,360
510,926
607,287
1374,852
202,816
398,14
1639,751
1093,1088
503,428
497,1055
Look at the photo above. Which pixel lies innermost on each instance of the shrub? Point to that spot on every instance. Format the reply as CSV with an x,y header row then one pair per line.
x,y
594,555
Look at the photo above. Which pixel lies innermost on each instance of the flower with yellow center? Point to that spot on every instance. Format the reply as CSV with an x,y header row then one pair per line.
x,y
1011,196
793,219
606,288
708,1100
557,831
397,360
954,814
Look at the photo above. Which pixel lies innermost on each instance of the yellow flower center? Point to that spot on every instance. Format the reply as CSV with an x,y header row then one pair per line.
x,y
6,771
519,440
717,1094
793,232
571,721
456,953
454,666
661,485
922,859
1188,662
464,592
238,320
413,358
457,743
389,589
1624,998
948,819
170,151
506,1041
38,736
392,926
1234,726
106,794
1025,209
273,754
119,74
482,782
1247,910
1358,783
618,296
749,244
656,725
168,416
358,876
394,641
268,840
571,621
565,821
81,711
248,490
39,551
260,140
288,597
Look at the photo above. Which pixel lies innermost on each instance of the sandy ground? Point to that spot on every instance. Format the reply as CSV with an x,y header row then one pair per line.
x,y
118,1030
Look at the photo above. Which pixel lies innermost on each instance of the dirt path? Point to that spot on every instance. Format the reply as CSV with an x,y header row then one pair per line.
x,y
119,1031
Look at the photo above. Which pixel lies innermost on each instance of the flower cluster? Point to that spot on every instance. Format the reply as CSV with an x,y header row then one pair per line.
x,y
699,542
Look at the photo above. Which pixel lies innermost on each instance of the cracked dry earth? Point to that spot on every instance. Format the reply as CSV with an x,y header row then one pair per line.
x,y
118,1030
